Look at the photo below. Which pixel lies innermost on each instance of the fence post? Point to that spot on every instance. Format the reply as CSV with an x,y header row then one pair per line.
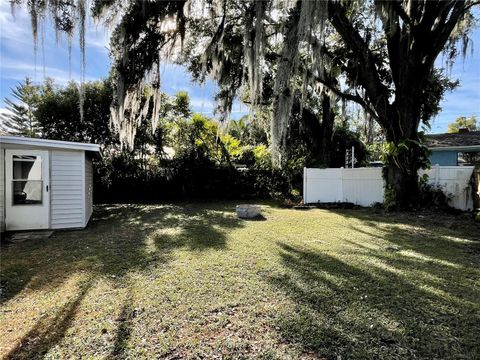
x,y
437,174
305,179
341,185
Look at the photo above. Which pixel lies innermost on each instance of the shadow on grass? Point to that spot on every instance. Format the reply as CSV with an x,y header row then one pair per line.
x,y
123,330
118,240
48,331
439,236
256,218
413,297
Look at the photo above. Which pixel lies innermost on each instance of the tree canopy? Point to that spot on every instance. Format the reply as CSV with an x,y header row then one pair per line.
x,y
20,119
462,122
288,55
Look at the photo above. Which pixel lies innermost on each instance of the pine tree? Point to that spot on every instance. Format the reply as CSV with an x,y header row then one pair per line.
x,y
20,118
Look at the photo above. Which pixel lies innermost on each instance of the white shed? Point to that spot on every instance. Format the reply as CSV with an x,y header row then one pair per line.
x,y
45,184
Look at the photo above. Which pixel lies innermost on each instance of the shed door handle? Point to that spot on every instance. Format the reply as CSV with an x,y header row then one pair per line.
x,y
47,188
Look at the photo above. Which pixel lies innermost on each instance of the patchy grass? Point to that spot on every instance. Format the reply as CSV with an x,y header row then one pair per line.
x,y
193,281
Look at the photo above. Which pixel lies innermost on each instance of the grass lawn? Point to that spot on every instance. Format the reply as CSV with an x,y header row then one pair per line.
x,y
193,281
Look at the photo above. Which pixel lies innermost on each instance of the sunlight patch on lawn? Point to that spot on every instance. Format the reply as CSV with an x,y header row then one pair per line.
x,y
459,239
423,257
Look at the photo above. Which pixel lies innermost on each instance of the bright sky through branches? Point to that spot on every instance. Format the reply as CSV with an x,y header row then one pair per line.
x,y
17,60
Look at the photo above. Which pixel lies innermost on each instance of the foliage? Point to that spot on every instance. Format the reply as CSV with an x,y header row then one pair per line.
x,y
58,113
434,197
375,151
343,140
234,148
389,198
185,155
197,139
203,165
471,123
437,84
378,54
251,129
470,158
262,157
392,152
20,119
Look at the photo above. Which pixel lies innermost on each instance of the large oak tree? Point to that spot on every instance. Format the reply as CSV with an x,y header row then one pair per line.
x,y
378,54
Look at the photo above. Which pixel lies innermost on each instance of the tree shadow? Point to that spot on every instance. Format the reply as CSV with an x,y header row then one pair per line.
x,y
376,302
49,331
437,236
123,331
120,239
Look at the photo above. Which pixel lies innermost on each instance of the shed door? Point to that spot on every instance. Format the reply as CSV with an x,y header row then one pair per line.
x,y
27,197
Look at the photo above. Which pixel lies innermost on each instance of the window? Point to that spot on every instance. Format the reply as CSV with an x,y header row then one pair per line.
x,y
27,184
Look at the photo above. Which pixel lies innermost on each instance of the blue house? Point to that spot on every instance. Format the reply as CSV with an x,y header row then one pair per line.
x,y
447,149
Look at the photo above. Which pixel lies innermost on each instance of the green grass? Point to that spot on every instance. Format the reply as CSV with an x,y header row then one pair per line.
x,y
193,281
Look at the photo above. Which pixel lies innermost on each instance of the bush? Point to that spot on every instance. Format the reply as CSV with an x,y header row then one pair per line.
x,y
179,179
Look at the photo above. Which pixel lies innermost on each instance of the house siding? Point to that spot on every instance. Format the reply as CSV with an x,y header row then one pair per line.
x,y
88,189
444,158
67,206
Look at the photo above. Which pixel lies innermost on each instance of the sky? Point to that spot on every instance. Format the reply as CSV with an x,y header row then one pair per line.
x,y
18,60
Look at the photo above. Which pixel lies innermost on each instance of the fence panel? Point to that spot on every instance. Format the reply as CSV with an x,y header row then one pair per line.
x,y
324,184
364,186
455,182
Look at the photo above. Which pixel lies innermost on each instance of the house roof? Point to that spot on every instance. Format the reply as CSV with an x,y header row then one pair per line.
x,y
57,144
467,141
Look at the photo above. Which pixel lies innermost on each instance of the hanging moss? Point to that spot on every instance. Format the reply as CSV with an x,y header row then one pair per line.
x,y
228,40
305,19
64,17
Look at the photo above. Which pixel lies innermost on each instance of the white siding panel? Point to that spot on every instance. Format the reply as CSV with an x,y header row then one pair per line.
x,y
63,207
67,165
66,173
72,202
67,205
72,216
67,192
2,189
88,189
68,184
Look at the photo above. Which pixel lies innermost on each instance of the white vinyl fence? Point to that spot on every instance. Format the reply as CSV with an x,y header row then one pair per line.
x,y
364,186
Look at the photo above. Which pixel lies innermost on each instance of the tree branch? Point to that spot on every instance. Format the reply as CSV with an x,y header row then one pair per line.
x,y
468,7
391,26
350,97
397,6
440,35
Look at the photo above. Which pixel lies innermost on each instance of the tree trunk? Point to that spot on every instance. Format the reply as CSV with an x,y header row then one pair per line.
x,y
405,156
326,131
402,191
